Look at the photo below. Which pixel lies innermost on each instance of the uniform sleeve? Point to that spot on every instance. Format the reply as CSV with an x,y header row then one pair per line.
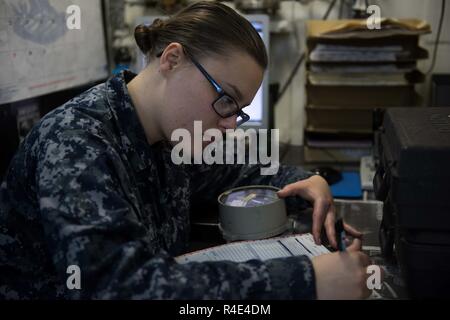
x,y
91,221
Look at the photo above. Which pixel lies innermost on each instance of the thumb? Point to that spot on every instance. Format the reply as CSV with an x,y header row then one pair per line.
x,y
355,246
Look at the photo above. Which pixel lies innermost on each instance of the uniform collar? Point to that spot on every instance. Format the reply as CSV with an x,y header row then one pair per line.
x,y
132,133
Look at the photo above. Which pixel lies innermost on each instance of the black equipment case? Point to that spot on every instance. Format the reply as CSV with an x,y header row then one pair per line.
x,y
412,152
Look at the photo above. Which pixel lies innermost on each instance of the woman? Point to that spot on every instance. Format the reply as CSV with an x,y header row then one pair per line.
x,y
93,185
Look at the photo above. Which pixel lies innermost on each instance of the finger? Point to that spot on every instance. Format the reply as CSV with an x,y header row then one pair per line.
x,y
355,246
348,241
364,259
366,292
319,214
288,190
352,231
330,227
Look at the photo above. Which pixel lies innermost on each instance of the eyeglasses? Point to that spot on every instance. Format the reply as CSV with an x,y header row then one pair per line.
x,y
224,105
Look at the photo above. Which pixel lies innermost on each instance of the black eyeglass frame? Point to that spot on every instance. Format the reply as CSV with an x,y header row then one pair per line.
x,y
244,116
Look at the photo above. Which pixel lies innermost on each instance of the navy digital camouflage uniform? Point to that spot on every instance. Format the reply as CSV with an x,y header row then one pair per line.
x,y
85,188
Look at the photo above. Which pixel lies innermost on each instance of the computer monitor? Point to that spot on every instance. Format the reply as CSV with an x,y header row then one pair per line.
x,y
259,108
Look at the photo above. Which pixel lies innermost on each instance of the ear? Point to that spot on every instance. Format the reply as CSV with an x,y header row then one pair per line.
x,y
172,57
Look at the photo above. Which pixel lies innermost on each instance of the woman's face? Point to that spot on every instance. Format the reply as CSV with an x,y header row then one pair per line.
x,y
189,95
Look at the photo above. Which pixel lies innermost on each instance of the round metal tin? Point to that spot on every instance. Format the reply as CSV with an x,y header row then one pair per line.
x,y
252,212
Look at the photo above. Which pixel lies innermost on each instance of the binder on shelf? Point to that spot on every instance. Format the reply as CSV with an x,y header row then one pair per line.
x,y
350,71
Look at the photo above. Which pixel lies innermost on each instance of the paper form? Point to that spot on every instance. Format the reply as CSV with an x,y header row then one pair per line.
x,y
294,245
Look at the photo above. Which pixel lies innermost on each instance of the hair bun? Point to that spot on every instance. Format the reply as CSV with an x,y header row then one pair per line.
x,y
147,35
157,24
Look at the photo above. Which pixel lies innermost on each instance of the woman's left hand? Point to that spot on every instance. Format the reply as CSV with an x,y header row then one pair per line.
x,y
316,190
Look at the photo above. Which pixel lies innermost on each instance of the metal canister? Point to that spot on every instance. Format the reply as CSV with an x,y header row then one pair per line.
x,y
258,221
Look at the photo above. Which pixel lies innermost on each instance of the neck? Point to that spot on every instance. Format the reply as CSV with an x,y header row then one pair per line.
x,y
145,102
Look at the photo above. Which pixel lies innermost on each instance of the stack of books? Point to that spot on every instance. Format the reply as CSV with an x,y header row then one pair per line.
x,y
352,70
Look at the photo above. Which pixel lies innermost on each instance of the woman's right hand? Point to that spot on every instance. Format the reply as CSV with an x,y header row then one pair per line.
x,y
342,275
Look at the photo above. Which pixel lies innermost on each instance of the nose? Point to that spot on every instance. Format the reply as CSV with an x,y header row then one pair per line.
x,y
228,123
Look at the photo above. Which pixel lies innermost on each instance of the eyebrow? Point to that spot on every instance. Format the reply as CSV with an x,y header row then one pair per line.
x,y
236,90
238,94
